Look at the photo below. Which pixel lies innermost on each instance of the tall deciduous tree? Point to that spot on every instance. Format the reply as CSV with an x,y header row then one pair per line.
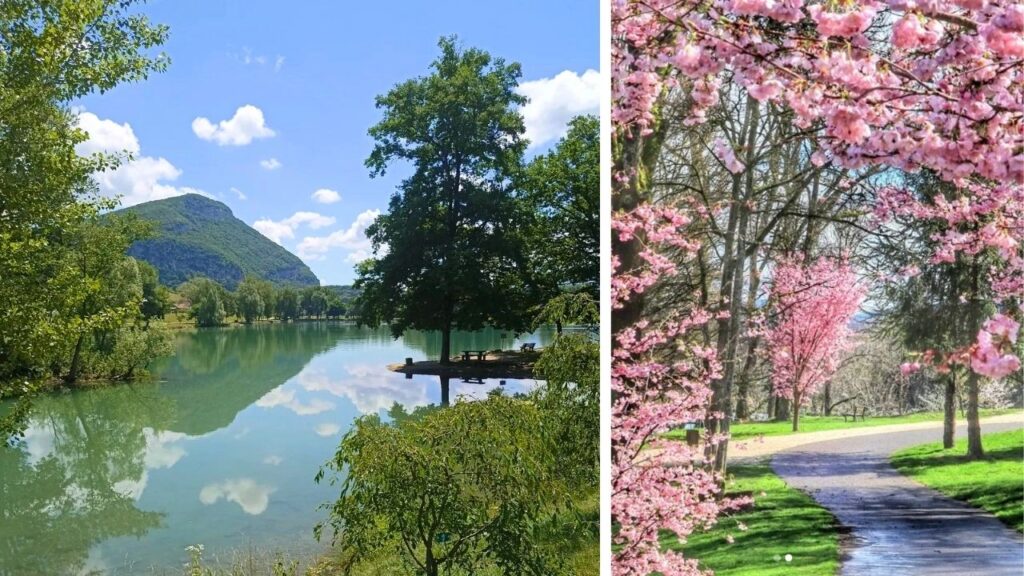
x,y
447,252
51,53
563,195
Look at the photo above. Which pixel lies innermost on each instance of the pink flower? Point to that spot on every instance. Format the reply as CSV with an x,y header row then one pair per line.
x,y
725,153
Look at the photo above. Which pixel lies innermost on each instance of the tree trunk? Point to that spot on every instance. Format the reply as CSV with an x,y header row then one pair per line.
x,y
781,409
558,327
974,449
827,410
446,344
949,412
796,412
76,361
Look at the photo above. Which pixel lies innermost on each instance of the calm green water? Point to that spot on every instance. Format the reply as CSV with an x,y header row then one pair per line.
x,y
220,450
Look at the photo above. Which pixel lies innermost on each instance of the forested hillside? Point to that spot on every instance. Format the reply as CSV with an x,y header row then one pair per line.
x,y
197,236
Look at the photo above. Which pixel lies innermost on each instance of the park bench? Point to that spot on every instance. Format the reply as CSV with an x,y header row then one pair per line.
x,y
863,415
469,354
528,346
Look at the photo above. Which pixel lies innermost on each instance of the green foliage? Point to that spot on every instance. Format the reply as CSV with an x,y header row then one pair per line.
x,y
288,304
570,308
47,192
156,298
562,192
197,236
992,483
313,301
459,488
209,301
570,401
249,300
455,256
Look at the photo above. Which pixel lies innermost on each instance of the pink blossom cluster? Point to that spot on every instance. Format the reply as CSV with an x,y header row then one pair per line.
x,y
946,93
813,305
658,484
992,355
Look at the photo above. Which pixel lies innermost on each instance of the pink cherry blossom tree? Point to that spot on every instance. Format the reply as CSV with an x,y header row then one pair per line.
x,y
814,304
660,379
903,84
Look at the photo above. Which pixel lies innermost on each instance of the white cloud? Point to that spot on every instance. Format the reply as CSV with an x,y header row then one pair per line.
x,y
105,136
251,496
245,126
241,195
278,63
326,196
273,460
353,239
554,101
279,230
141,179
286,399
328,429
370,388
270,164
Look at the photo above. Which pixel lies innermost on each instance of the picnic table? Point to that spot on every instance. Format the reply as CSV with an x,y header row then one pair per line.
x,y
469,354
528,346
863,415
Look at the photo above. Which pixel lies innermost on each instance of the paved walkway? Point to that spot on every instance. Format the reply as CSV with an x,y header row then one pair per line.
x,y
897,526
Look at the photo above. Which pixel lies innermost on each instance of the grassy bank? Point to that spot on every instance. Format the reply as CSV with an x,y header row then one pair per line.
x,y
746,430
783,521
995,483
581,552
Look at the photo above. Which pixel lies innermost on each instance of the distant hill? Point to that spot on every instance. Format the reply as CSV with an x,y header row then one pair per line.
x,y
197,236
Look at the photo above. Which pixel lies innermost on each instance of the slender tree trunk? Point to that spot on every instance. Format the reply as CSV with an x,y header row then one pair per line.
x,y
974,448
827,409
949,412
558,327
446,343
781,409
796,412
76,361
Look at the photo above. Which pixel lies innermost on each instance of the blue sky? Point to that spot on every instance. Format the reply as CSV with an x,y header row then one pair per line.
x,y
266,103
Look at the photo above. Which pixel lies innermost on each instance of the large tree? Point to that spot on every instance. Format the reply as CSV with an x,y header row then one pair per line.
x,y
52,52
562,189
447,254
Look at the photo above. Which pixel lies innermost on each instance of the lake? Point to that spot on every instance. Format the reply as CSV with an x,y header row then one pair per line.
x,y
220,449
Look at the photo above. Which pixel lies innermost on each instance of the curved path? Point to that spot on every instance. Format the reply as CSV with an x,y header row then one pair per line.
x,y
897,526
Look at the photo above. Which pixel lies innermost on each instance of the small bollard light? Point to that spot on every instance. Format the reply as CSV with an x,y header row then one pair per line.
x,y
693,432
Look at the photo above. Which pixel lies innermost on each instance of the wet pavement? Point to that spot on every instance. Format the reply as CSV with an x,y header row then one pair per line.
x,y
898,527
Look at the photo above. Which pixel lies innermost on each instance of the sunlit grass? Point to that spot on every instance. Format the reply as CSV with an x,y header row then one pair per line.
x,y
746,430
995,483
782,521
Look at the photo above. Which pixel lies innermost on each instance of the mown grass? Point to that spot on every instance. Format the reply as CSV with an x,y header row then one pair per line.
x,y
782,521
747,430
995,483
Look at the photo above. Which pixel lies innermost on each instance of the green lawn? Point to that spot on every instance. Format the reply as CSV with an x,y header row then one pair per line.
x,y
995,483
782,521
746,430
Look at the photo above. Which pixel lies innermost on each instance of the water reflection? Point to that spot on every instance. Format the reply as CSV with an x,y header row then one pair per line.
x,y
219,450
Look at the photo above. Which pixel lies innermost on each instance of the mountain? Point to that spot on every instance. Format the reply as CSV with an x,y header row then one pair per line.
x,y
197,236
